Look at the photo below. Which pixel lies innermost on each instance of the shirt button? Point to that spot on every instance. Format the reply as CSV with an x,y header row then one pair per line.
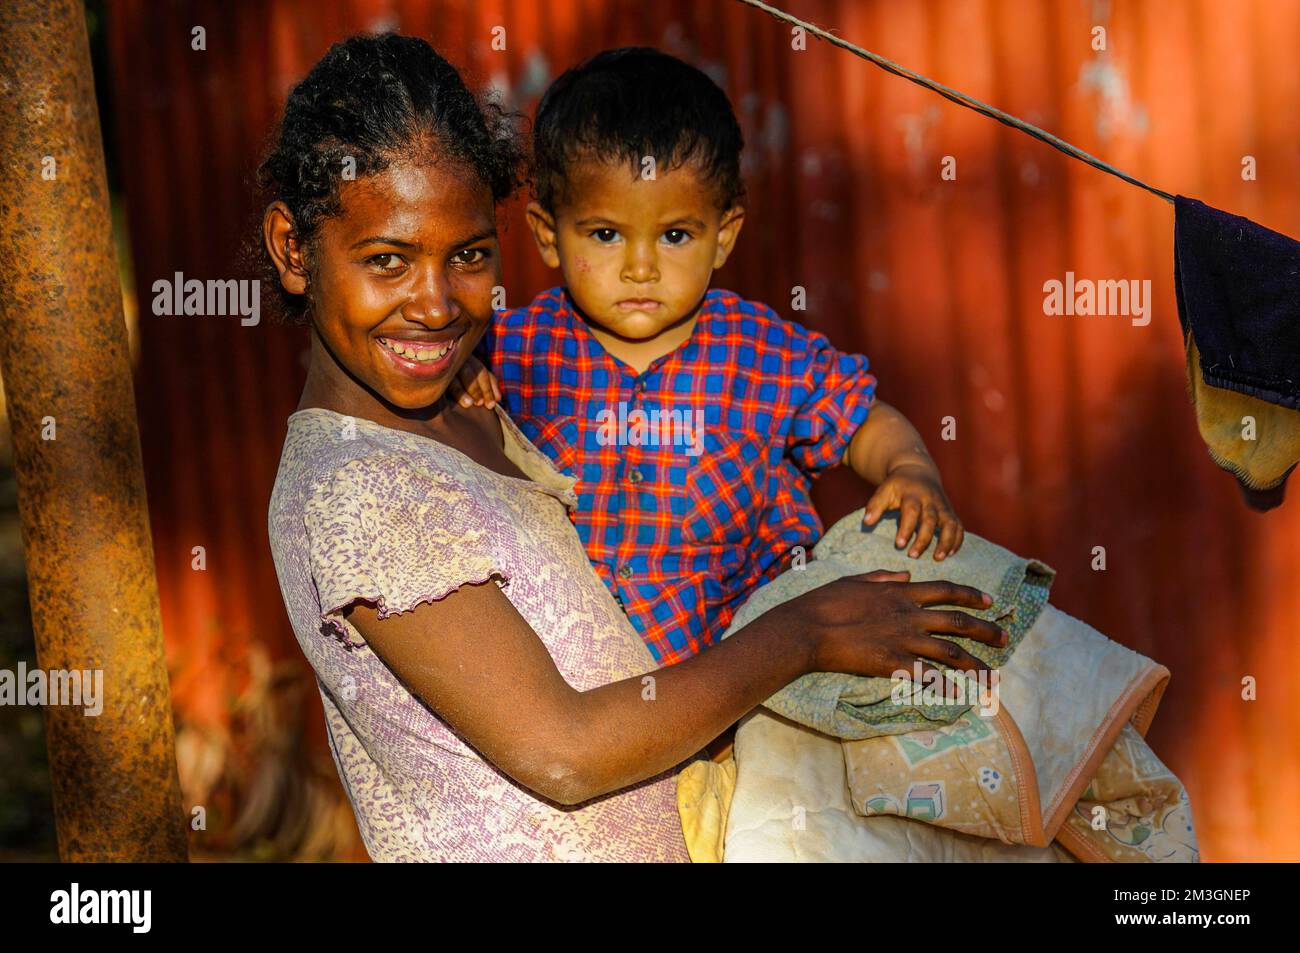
x,y
625,571
635,476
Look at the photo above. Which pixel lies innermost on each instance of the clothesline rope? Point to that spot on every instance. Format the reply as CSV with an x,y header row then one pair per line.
x,y
961,99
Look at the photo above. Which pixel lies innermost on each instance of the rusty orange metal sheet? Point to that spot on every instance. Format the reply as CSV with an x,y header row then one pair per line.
x,y
1072,432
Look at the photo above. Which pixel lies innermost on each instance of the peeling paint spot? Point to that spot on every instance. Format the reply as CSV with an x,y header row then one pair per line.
x,y
536,75
916,133
774,134
1116,112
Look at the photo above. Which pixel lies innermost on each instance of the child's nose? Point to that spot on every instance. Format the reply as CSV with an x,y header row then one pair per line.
x,y
641,264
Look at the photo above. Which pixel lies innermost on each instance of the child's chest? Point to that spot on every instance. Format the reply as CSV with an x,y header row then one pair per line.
x,y
662,468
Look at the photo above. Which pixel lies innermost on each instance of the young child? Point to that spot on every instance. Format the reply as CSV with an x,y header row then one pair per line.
x,y
693,420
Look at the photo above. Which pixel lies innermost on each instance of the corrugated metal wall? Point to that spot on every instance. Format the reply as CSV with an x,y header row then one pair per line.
x,y
1072,432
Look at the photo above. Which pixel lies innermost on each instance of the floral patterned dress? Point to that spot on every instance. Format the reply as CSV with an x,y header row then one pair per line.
x,y
363,512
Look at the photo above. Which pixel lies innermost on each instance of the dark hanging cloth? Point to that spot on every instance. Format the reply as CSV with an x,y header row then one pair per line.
x,y
1238,288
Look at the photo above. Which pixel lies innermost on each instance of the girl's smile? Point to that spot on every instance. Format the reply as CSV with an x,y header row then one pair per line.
x,y
418,357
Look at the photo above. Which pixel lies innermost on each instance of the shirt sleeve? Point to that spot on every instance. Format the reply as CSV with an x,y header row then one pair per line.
x,y
486,349
837,397
387,533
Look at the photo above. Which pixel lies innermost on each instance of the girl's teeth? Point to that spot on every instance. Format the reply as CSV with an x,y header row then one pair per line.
x,y
423,354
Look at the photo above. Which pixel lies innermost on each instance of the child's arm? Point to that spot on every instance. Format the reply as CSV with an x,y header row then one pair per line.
x,y
839,420
888,452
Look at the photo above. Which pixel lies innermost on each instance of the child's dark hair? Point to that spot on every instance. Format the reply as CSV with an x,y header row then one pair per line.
x,y
622,105
371,99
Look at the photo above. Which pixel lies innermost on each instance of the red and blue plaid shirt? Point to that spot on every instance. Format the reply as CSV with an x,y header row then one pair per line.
x,y
693,477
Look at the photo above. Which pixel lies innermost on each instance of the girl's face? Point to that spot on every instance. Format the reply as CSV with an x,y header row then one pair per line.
x,y
402,279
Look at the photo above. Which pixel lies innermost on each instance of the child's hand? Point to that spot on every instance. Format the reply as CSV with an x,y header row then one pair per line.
x,y
915,490
475,385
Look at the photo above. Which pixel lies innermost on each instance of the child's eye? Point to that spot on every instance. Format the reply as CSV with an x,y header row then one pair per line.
x,y
604,235
387,263
677,236
470,256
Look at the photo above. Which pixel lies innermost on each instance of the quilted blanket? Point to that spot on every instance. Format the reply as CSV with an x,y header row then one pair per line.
x,y
1056,767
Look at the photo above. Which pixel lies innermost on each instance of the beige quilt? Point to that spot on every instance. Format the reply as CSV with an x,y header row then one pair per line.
x,y
1053,767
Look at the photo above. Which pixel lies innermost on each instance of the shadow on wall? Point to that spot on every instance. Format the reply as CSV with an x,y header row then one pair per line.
x,y
254,788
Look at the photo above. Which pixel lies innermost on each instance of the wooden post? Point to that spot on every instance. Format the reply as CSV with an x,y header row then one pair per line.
x,y
81,498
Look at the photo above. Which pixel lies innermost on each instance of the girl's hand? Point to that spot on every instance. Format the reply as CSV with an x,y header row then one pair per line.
x,y
475,385
915,490
878,623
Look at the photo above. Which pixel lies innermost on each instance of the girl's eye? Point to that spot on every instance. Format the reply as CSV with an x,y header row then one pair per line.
x,y
604,235
388,263
676,236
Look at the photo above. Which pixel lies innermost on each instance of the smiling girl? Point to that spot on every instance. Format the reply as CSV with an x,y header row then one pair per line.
x,y
485,697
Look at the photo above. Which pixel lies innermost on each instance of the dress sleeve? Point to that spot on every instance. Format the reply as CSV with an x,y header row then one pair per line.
x,y
394,535
838,395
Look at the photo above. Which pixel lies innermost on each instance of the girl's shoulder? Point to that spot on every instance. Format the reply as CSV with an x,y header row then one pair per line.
x,y
379,464
378,515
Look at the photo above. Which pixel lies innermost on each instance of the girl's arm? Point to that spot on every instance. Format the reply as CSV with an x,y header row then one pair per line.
x,y
476,662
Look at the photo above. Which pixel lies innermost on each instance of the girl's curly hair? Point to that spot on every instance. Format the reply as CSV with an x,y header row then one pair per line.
x,y
369,100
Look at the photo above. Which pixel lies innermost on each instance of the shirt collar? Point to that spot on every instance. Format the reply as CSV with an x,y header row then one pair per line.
x,y
685,352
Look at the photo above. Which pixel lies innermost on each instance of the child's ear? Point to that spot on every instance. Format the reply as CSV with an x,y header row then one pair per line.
x,y
542,224
728,231
284,248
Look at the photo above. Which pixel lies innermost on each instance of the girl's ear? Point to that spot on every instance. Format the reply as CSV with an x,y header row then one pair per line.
x,y
542,225
284,248
728,231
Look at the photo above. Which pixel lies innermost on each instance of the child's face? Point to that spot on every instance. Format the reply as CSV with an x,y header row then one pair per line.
x,y
409,265
637,254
